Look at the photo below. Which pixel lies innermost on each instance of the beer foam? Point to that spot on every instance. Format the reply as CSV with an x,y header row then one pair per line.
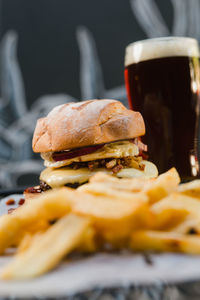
x,y
161,47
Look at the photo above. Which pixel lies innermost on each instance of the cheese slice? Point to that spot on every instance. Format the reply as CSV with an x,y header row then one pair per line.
x,y
111,150
60,177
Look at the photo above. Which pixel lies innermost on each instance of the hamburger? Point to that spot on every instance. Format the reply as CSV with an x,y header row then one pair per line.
x,y
76,140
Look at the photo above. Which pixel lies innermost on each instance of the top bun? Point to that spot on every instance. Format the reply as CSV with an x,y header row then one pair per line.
x,y
86,123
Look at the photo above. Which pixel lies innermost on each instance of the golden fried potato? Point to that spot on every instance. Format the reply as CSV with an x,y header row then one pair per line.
x,y
27,240
134,185
88,243
107,212
155,189
100,189
165,184
31,216
177,202
48,249
191,188
165,242
39,226
191,225
110,214
174,209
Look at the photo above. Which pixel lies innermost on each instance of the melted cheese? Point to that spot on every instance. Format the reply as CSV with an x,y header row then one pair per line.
x,y
150,171
59,177
112,150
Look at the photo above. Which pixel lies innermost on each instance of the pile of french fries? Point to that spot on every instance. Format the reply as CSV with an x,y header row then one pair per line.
x,y
107,213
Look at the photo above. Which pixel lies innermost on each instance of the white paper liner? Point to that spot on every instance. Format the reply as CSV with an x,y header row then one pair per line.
x,y
103,270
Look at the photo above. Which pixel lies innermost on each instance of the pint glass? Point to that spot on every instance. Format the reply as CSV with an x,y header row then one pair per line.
x,y
162,78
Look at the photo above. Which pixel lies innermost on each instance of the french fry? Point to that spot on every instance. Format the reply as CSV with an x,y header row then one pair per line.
x,y
191,188
190,225
27,240
178,202
165,184
134,185
155,189
46,251
88,243
46,207
144,218
173,210
168,219
38,226
110,214
164,242
100,189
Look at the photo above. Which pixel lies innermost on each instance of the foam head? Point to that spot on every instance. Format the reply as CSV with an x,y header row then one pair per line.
x,y
161,47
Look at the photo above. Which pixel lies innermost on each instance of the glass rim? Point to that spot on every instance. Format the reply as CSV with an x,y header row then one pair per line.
x,y
161,47
165,38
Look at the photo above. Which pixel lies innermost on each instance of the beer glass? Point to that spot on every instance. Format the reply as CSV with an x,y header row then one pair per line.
x,y
162,78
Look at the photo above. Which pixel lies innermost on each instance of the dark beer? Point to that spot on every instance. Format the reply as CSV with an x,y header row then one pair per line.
x,y
166,91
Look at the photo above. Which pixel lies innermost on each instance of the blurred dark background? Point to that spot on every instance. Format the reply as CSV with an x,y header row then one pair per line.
x,y
52,52
48,50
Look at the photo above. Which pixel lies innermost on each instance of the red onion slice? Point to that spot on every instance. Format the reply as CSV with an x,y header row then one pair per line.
x,y
63,155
